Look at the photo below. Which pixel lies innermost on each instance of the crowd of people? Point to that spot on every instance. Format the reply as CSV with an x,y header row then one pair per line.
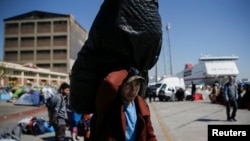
x,y
116,64
62,117
107,122
217,95
60,114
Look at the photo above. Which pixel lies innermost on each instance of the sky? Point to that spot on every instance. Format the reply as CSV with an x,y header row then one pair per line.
x,y
197,27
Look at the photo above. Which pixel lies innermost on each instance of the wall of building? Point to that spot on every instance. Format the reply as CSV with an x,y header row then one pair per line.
x,y
49,43
16,74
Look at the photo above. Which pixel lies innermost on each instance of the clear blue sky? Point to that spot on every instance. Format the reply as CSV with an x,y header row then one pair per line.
x,y
215,27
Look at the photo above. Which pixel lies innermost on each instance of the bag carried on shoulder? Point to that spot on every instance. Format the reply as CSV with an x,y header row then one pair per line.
x,y
124,33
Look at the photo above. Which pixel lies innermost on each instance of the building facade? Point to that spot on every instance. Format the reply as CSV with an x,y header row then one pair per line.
x,y
15,74
47,40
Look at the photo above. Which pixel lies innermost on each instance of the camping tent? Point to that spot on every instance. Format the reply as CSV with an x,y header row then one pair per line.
x,y
31,98
4,95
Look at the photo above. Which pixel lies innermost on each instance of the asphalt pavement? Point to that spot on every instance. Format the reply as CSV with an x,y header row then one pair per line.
x,y
172,121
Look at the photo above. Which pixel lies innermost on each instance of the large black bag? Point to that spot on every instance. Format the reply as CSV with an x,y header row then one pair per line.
x,y
124,33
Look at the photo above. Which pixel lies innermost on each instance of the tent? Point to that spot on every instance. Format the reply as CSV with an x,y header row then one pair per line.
x,y
4,95
32,98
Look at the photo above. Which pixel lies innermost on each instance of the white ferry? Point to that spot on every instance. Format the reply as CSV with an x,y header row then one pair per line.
x,y
210,69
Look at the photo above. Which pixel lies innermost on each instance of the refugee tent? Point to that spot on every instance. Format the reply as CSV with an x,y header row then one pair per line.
x,y
31,98
18,92
4,95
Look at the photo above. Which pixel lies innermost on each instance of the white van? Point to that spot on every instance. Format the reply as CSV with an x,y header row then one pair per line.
x,y
168,88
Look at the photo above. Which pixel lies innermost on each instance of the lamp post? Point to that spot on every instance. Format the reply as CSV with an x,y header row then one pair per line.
x,y
156,72
169,49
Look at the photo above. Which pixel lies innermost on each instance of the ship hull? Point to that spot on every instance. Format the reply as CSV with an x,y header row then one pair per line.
x,y
210,70
206,80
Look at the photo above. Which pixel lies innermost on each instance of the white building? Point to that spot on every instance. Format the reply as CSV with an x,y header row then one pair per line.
x,y
16,74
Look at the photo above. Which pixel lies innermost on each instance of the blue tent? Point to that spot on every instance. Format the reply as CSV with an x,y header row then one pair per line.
x,y
31,98
4,95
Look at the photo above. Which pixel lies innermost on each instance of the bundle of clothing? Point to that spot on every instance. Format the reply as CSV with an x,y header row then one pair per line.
x,y
125,33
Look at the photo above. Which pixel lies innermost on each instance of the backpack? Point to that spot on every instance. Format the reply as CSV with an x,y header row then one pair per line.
x,y
39,126
35,126
48,93
49,104
114,41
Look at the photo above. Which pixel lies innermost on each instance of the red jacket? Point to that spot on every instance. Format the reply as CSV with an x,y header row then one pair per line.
x,y
110,121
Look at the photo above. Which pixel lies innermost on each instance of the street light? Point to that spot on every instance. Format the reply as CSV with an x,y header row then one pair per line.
x,y
156,75
170,58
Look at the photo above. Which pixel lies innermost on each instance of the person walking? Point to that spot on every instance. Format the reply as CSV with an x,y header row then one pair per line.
x,y
84,127
74,119
79,123
246,97
127,116
57,111
180,94
231,96
193,90
214,94
149,94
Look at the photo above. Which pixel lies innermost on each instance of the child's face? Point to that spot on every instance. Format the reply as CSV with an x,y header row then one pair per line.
x,y
130,90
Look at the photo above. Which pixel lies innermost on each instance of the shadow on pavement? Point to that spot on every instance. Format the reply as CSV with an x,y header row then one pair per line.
x,y
209,120
52,138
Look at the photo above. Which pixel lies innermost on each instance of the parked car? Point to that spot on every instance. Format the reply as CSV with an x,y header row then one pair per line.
x,y
171,82
166,93
154,87
188,95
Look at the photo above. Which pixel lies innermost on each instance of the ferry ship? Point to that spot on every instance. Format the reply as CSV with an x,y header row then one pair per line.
x,y
209,70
